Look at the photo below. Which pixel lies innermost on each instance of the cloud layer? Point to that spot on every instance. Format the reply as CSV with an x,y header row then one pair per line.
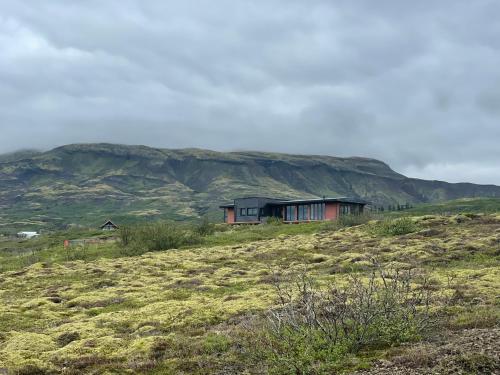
x,y
415,84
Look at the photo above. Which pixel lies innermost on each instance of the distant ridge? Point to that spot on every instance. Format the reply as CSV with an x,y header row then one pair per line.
x,y
87,183
18,155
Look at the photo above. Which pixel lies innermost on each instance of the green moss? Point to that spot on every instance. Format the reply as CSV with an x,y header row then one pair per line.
x,y
216,343
194,298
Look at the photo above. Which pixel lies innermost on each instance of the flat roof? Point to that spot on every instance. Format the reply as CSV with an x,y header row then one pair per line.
x,y
322,200
282,202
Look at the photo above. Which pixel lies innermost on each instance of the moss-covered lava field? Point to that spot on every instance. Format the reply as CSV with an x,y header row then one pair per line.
x,y
187,310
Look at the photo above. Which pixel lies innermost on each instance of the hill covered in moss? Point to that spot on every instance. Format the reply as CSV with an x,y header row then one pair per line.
x,y
87,183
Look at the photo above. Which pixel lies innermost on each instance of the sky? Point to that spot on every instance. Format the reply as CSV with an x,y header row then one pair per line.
x,y
413,83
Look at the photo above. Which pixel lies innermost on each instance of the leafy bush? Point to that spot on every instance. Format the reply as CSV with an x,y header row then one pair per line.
x,y
394,227
314,328
155,237
204,227
272,220
126,234
345,221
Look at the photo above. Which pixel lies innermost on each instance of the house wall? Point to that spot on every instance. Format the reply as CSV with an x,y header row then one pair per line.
x,y
245,203
230,215
331,211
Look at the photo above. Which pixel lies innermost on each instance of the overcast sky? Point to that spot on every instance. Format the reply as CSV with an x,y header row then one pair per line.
x,y
413,83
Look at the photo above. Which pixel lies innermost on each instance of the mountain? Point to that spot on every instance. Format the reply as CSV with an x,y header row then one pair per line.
x,y
18,155
84,184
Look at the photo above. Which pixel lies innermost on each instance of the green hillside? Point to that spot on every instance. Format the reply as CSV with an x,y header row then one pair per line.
x,y
85,184
456,206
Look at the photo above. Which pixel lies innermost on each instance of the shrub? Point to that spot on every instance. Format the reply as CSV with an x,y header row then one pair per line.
x,y
272,220
314,328
155,237
205,227
345,221
394,227
126,235
353,220
478,363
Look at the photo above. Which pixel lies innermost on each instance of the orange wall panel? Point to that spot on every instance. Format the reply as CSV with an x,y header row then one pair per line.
x,y
230,215
331,211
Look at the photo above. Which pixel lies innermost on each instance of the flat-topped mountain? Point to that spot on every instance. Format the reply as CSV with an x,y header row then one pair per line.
x,y
87,183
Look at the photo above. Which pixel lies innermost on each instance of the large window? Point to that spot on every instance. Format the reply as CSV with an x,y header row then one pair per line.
x,y
243,212
303,212
290,213
345,209
317,211
252,211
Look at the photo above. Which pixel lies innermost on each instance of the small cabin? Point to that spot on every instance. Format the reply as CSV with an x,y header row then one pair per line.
x,y
109,225
255,210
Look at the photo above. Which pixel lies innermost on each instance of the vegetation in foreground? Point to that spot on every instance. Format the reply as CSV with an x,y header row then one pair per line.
x,y
132,240
204,308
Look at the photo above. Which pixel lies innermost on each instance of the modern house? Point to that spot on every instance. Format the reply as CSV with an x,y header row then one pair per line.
x,y
254,210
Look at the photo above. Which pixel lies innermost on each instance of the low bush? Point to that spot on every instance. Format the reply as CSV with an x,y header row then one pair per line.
x,y
155,237
205,227
346,221
478,363
315,328
272,220
67,337
216,343
394,227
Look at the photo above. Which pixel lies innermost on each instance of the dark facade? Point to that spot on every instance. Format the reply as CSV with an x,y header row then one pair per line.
x,y
258,209
249,209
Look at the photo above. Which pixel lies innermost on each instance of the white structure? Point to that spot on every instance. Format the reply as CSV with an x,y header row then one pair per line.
x,y
27,234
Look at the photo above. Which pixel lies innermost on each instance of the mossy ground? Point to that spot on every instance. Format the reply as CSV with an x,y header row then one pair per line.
x,y
181,311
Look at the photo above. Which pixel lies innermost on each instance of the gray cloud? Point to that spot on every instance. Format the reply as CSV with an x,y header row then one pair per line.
x,y
415,84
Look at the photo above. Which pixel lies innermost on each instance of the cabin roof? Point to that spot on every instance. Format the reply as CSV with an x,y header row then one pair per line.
x,y
107,222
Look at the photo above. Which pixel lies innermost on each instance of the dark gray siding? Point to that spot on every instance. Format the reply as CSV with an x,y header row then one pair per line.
x,y
256,203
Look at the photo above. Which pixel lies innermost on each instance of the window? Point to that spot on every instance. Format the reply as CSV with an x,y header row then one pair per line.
x,y
303,212
252,211
243,212
345,209
317,211
290,213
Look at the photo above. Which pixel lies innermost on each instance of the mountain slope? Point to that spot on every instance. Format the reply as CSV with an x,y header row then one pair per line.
x,y
84,184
